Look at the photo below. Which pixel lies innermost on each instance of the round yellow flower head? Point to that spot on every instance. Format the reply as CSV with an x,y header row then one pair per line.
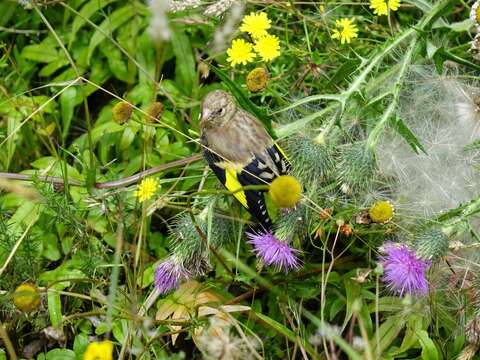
x,y
146,189
345,30
381,212
256,24
257,79
102,350
26,297
121,112
267,47
285,191
240,52
154,111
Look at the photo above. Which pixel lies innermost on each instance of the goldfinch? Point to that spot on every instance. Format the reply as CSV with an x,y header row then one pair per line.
x,y
240,151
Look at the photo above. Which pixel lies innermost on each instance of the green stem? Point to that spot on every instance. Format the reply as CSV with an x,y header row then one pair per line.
x,y
375,133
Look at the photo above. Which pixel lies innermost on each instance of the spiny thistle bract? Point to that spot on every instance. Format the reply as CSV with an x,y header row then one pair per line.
x,y
312,162
293,222
185,240
356,167
432,243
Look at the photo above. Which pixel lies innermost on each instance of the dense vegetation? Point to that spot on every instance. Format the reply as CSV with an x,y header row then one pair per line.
x,y
103,189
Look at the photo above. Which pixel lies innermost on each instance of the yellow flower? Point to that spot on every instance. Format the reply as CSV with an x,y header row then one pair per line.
x,y
26,297
380,7
345,30
146,189
268,47
240,52
381,212
256,24
285,191
99,351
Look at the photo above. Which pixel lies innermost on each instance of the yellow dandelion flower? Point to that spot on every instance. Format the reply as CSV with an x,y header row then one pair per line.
x,y
146,189
256,24
285,191
345,30
393,4
240,52
267,47
381,7
99,351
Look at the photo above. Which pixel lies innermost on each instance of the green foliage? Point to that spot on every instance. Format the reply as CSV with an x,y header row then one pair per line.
x,y
77,230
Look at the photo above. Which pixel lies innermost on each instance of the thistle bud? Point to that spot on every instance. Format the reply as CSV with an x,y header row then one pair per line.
x,y
26,297
431,244
154,111
121,112
257,79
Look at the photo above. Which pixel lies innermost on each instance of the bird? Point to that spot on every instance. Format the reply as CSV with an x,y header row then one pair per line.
x,y
240,152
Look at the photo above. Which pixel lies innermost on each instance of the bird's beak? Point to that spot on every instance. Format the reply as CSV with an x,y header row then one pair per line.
x,y
205,114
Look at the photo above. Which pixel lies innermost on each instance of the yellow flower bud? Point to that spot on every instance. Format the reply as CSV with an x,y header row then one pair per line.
x,y
154,111
121,112
26,297
381,212
257,79
285,191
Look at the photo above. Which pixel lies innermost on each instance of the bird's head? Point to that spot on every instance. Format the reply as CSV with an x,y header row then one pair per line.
x,y
218,107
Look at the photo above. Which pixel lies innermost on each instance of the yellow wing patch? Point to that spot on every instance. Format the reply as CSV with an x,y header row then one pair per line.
x,y
232,184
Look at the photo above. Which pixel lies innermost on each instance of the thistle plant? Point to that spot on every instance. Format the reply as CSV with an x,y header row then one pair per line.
x,y
356,167
431,244
404,271
312,161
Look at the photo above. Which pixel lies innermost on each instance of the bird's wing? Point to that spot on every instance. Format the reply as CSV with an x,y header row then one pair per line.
x,y
227,176
256,172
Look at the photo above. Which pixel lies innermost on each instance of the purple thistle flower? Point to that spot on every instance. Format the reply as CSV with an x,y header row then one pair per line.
x,y
273,251
404,272
169,274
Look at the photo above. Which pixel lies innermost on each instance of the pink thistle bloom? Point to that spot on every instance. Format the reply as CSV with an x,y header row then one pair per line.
x,y
169,274
404,272
273,251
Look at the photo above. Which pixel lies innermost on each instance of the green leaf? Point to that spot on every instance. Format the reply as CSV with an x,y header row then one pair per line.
x,y
244,101
60,354
429,350
460,26
423,5
85,13
54,307
387,333
185,71
50,247
352,290
67,105
80,344
41,53
403,130
108,26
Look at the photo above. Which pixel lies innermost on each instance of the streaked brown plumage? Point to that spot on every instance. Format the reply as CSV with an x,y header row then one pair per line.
x,y
239,150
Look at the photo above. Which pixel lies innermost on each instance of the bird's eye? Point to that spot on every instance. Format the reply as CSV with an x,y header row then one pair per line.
x,y
220,112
